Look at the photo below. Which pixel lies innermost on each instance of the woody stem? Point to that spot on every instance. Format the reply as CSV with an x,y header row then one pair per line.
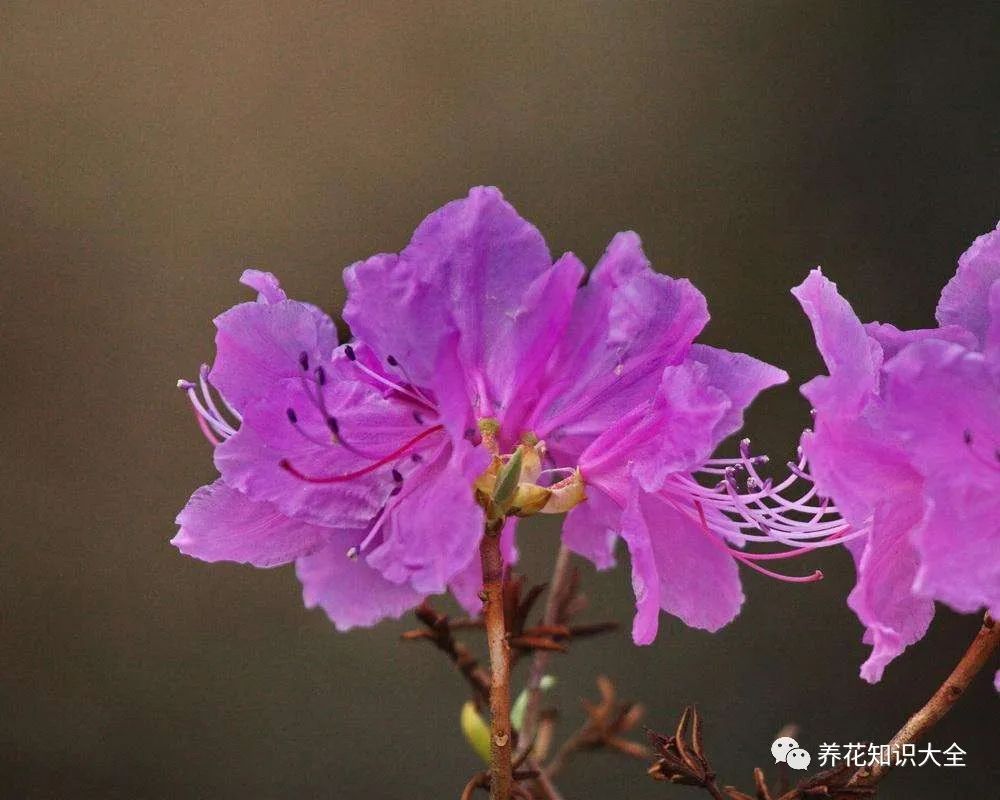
x,y
982,648
496,637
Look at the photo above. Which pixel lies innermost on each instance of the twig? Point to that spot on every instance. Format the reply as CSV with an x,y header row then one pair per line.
x,y
501,781
439,633
478,781
545,784
540,662
606,724
983,646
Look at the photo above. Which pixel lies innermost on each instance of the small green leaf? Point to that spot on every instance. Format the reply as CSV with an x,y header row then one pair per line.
x,y
476,731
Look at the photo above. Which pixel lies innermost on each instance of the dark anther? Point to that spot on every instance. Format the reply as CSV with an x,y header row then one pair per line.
x,y
417,458
321,376
395,491
292,416
397,476
331,423
349,352
304,360
419,419
392,361
967,436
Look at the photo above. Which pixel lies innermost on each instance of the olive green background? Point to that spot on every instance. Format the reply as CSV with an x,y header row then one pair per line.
x,y
151,151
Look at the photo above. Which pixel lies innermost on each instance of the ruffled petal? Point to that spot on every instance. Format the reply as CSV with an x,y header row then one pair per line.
x,y
432,529
852,358
944,402
260,343
893,616
857,461
740,378
696,405
628,323
992,349
592,528
473,266
266,285
221,524
964,300
892,340
350,592
677,567
957,542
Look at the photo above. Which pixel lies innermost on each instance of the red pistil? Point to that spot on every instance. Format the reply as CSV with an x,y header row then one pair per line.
x,y
349,476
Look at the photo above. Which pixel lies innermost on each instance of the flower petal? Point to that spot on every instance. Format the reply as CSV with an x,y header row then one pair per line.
x,y
592,528
628,323
265,283
992,348
221,524
740,378
893,616
852,358
260,343
957,543
432,529
473,266
678,567
696,405
892,340
964,300
944,402
350,592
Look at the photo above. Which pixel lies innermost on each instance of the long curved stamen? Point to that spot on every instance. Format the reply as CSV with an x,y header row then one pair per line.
x,y
203,382
348,476
394,363
205,429
353,358
215,427
319,401
762,505
744,559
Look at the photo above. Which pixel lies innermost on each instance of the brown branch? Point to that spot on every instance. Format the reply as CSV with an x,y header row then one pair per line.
x,y
439,633
979,652
480,780
501,780
606,724
683,761
539,664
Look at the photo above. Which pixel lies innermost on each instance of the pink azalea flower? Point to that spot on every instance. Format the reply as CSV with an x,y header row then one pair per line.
x,y
357,461
907,443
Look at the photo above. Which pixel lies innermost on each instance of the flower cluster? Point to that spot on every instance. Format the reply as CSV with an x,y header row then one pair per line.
x,y
484,382
907,443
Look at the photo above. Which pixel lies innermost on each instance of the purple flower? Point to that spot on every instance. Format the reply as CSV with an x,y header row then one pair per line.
x,y
358,461
907,443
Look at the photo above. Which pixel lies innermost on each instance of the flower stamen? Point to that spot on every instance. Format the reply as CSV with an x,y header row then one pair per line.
x,y
412,392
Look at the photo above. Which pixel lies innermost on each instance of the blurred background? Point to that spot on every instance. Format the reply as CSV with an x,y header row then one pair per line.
x,y
152,151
